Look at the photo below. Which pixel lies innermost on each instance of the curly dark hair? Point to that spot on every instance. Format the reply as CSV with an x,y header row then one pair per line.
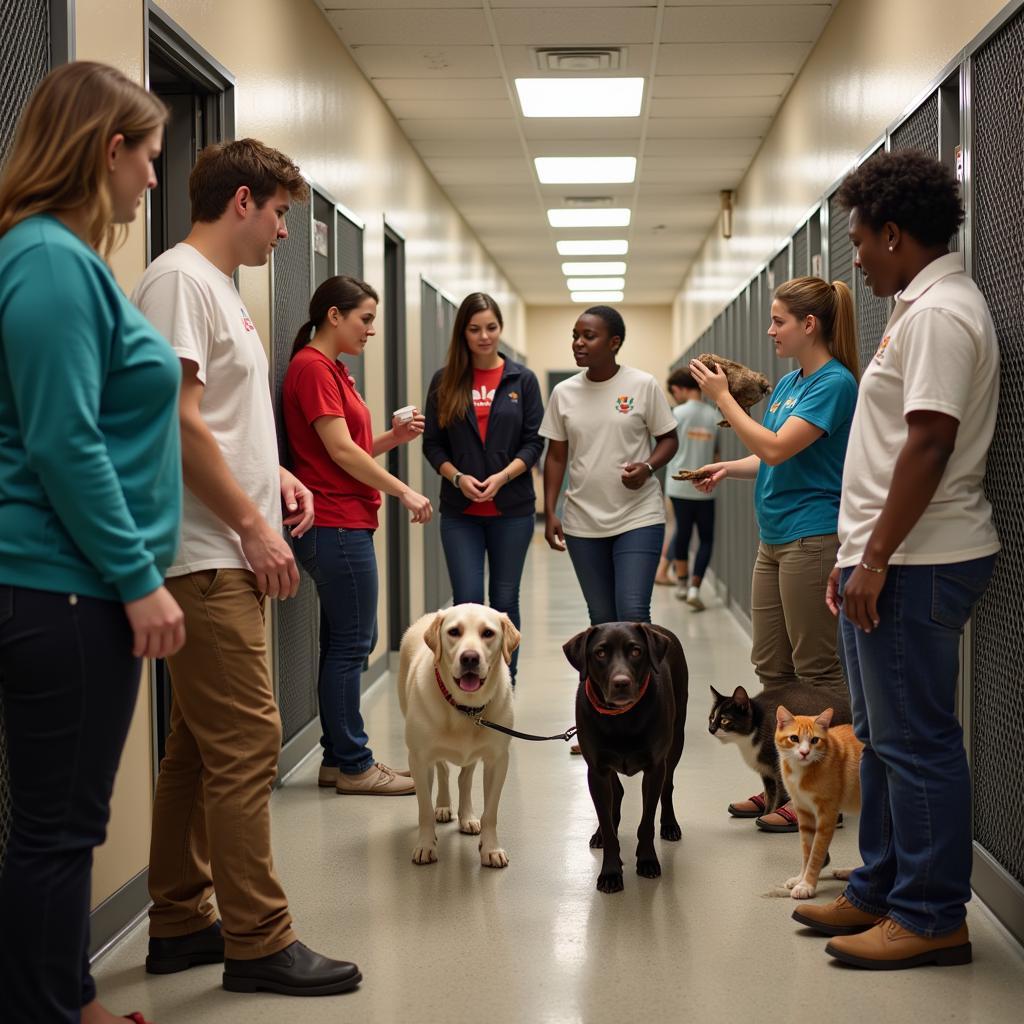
x,y
613,321
908,188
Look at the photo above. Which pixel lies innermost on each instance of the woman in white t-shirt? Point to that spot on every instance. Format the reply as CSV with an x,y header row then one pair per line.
x,y
601,423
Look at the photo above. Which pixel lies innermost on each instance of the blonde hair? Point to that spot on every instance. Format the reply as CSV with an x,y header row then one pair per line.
x,y
832,306
58,161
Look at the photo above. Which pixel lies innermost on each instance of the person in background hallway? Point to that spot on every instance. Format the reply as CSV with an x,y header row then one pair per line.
x,y
483,413
600,424
211,815
797,461
333,448
917,550
91,501
665,576
697,427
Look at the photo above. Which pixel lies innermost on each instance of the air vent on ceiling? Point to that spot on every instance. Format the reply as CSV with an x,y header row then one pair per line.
x,y
579,58
589,201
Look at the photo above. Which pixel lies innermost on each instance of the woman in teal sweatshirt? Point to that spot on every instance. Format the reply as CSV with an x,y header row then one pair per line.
x,y
90,498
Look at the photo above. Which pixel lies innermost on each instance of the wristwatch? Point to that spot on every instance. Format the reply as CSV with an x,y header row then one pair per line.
x,y
456,477
650,468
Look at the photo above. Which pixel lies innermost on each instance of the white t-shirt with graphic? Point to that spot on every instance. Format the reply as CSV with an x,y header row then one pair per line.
x,y
608,423
199,309
697,427
939,353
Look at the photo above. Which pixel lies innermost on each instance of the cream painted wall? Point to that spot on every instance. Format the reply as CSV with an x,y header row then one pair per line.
x,y
648,344
296,89
873,60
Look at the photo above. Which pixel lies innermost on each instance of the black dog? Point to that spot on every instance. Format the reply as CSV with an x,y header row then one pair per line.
x,y
630,714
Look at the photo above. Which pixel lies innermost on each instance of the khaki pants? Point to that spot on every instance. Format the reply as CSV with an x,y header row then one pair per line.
x,y
794,633
211,816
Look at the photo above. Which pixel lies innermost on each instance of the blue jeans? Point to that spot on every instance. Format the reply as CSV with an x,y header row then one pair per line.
x,y
504,540
344,568
915,823
691,513
616,574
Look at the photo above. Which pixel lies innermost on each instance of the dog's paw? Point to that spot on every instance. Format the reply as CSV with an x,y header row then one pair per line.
x,y
610,881
596,842
802,891
842,873
671,831
469,826
442,814
494,858
648,868
424,854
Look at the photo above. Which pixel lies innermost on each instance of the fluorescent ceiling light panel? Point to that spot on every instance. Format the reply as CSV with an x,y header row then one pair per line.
x,y
613,217
601,284
596,296
597,267
598,247
585,170
580,97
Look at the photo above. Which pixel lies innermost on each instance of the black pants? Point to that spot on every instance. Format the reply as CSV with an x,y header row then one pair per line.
x,y
68,683
691,513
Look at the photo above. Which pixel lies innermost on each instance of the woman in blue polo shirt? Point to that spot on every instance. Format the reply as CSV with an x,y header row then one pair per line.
x,y
483,413
797,462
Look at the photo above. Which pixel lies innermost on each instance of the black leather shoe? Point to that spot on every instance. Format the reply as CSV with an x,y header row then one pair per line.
x,y
168,956
293,971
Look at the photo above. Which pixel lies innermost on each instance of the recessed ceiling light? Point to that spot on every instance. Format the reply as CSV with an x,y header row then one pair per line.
x,y
580,97
616,217
596,296
582,284
598,247
597,267
585,170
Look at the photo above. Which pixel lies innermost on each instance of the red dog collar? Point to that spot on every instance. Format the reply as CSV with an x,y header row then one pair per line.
x,y
603,709
466,709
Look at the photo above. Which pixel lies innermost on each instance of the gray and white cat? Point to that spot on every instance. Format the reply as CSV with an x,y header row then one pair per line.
x,y
749,723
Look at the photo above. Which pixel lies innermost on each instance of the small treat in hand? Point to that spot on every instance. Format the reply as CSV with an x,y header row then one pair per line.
x,y
747,386
693,475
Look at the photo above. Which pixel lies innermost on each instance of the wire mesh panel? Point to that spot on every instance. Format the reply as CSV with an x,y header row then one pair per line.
x,y
801,252
996,682
840,249
920,130
25,58
297,621
349,253
872,312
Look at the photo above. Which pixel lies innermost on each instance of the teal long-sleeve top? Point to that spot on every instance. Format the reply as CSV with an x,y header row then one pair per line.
x,y
90,452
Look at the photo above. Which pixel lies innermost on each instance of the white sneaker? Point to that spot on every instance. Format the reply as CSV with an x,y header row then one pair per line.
x,y
693,599
681,590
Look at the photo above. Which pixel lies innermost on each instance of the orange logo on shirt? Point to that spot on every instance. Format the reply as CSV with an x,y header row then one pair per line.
x,y
700,434
624,403
881,349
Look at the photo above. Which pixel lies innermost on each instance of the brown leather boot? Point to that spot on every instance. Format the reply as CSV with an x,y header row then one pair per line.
x,y
889,946
840,917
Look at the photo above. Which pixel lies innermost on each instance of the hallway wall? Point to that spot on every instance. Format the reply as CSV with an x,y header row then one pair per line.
x,y
873,59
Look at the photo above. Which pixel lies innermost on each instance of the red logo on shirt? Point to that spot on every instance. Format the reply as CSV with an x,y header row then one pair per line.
x,y
624,403
881,349
246,322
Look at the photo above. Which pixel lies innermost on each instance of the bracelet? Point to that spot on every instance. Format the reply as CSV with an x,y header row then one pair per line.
x,y
508,476
874,569
456,477
650,468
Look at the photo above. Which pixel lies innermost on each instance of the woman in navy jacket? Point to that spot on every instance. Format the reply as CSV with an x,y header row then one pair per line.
x,y
483,414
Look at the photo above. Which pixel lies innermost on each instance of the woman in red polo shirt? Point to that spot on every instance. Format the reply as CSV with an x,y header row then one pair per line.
x,y
333,452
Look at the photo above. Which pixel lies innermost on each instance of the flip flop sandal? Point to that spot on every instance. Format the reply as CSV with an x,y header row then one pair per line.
x,y
575,749
757,801
785,813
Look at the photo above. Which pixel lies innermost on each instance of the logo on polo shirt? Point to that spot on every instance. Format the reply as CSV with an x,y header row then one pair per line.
x,y
513,396
700,434
789,403
246,322
881,349
624,403
775,406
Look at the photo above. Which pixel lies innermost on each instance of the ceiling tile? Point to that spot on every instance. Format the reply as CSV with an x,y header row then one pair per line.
x,y
442,88
585,128
509,146
731,58
413,109
560,26
708,147
711,86
719,23
458,128
417,27
707,127
426,61
714,106
498,171
519,60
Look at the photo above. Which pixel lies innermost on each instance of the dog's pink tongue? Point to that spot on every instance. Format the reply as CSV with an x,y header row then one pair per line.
x,y
469,682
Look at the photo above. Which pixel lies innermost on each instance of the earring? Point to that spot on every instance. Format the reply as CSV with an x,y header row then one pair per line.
x,y
890,248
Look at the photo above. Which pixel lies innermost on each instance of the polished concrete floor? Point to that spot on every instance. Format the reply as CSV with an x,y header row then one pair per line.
x,y
710,941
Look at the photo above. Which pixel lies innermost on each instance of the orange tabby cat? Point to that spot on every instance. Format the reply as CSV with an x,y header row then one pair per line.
x,y
821,772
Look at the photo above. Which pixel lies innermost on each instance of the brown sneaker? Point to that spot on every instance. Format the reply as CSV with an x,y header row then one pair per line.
x,y
395,771
888,946
840,917
327,776
375,781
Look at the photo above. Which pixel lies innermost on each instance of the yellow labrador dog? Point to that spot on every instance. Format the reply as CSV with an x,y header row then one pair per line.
x,y
453,667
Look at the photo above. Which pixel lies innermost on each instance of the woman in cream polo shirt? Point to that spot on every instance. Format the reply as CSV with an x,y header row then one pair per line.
x,y
917,549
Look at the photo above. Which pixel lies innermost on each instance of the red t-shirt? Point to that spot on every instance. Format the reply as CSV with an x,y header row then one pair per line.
x,y
485,383
316,386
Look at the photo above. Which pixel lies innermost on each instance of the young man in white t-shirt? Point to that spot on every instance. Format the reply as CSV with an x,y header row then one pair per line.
x,y
917,549
211,816
697,428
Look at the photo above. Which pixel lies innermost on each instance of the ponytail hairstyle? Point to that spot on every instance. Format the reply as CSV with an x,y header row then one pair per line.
x,y
342,293
832,306
58,162
456,383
